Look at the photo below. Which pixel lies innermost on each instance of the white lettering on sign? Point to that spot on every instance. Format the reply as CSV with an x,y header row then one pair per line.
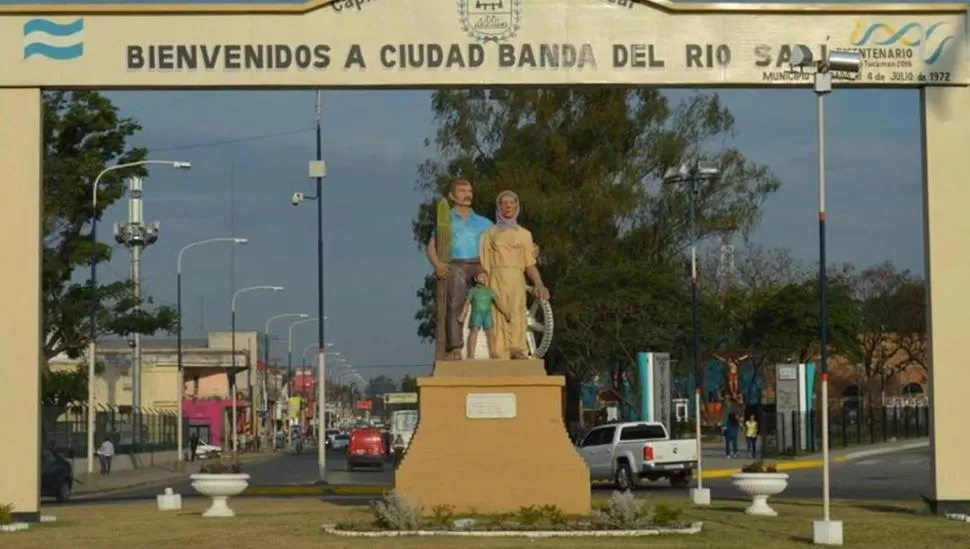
x,y
490,406
787,373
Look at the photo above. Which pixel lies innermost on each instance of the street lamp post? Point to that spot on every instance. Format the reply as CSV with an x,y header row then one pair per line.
x,y
232,378
178,300
318,170
289,358
849,63
693,176
320,411
269,321
93,332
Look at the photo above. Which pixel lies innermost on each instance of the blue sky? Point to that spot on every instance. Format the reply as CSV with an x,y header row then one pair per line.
x,y
373,143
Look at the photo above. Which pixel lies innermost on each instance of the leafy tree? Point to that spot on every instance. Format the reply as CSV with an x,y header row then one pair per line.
x,y
786,326
885,322
587,164
380,386
611,312
84,134
910,322
408,384
64,389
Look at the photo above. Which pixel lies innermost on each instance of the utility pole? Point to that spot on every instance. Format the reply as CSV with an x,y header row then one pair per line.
x,y
136,235
318,170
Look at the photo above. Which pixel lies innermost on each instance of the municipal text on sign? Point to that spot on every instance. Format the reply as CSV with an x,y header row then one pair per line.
x,y
490,406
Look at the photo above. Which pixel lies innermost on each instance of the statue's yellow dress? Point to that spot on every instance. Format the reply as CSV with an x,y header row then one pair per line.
x,y
505,255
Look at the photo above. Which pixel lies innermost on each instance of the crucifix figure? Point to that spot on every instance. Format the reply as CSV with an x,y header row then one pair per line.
x,y
733,374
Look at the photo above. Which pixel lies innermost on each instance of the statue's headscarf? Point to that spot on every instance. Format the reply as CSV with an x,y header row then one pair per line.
x,y
502,222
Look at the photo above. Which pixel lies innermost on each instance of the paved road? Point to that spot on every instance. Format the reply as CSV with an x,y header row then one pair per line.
x,y
894,477
284,470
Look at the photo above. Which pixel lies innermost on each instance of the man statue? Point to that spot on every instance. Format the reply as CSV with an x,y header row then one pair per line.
x,y
508,255
464,264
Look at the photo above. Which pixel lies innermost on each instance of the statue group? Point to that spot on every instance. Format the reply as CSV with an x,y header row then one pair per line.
x,y
481,267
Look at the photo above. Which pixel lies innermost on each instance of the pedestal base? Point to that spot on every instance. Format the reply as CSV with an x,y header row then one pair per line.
x,y
493,442
219,508
827,532
700,496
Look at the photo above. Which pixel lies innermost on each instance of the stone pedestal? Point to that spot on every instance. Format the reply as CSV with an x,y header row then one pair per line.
x,y
491,438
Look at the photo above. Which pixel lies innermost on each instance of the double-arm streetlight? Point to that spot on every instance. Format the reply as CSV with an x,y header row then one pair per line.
x,y
694,176
178,300
232,378
269,321
93,332
289,357
849,63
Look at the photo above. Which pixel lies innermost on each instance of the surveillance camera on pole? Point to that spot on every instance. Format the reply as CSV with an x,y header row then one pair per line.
x,y
297,198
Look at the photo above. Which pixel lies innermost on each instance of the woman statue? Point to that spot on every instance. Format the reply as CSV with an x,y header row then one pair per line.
x,y
508,254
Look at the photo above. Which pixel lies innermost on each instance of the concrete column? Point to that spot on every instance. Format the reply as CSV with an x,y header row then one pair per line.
x,y
946,172
20,294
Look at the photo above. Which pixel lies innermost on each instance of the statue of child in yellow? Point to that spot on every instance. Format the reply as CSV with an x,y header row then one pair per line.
x,y
508,255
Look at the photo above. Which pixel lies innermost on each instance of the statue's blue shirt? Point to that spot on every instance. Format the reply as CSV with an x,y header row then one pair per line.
x,y
466,235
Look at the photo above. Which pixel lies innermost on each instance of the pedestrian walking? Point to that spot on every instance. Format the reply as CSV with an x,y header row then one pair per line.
x,y
105,453
751,435
731,425
193,445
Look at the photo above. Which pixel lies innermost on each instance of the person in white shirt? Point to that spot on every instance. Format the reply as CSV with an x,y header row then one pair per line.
x,y
106,452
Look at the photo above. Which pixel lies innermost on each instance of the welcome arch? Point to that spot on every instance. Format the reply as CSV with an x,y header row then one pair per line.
x,y
465,43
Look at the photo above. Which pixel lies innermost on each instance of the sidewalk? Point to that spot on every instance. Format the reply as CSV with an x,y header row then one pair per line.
x,y
148,476
717,466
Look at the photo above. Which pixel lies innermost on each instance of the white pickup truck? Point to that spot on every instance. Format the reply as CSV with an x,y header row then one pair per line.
x,y
628,452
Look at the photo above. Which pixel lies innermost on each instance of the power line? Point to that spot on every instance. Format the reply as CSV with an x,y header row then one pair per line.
x,y
375,366
232,141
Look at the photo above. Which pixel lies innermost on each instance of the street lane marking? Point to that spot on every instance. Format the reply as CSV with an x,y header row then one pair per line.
x,y
913,461
868,462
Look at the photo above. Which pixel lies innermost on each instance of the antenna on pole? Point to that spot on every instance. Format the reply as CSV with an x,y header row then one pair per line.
x,y
316,106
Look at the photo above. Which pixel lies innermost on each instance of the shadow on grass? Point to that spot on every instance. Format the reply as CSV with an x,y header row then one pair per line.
x,y
896,509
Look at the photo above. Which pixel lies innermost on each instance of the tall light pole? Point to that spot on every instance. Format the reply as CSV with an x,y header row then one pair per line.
x,y
269,321
232,378
849,63
289,357
321,423
693,177
178,352
93,331
318,170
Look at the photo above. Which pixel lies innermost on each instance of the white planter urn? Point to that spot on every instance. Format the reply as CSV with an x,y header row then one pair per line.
x,y
219,487
760,486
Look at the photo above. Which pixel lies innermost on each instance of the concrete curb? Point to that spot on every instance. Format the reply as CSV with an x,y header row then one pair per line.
x,y
173,475
317,490
887,450
787,466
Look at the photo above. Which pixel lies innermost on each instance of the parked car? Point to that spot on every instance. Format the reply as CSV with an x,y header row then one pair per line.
x,y
366,448
340,442
330,434
205,450
56,477
628,452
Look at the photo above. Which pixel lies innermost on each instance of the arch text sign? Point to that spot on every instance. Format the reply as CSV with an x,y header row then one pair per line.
x,y
399,43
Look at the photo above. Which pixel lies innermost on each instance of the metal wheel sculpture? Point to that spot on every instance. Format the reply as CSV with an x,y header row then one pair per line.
x,y
538,336
541,325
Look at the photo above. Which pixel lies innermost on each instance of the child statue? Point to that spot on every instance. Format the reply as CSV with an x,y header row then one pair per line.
x,y
478,314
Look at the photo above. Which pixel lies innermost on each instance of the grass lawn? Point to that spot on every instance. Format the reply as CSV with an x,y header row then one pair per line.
x,y
296,523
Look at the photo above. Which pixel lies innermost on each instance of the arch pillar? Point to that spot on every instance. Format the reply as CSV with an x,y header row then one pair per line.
x,y
21,153
946,199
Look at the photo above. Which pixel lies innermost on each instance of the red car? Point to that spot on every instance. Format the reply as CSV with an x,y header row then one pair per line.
x,y
366,448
